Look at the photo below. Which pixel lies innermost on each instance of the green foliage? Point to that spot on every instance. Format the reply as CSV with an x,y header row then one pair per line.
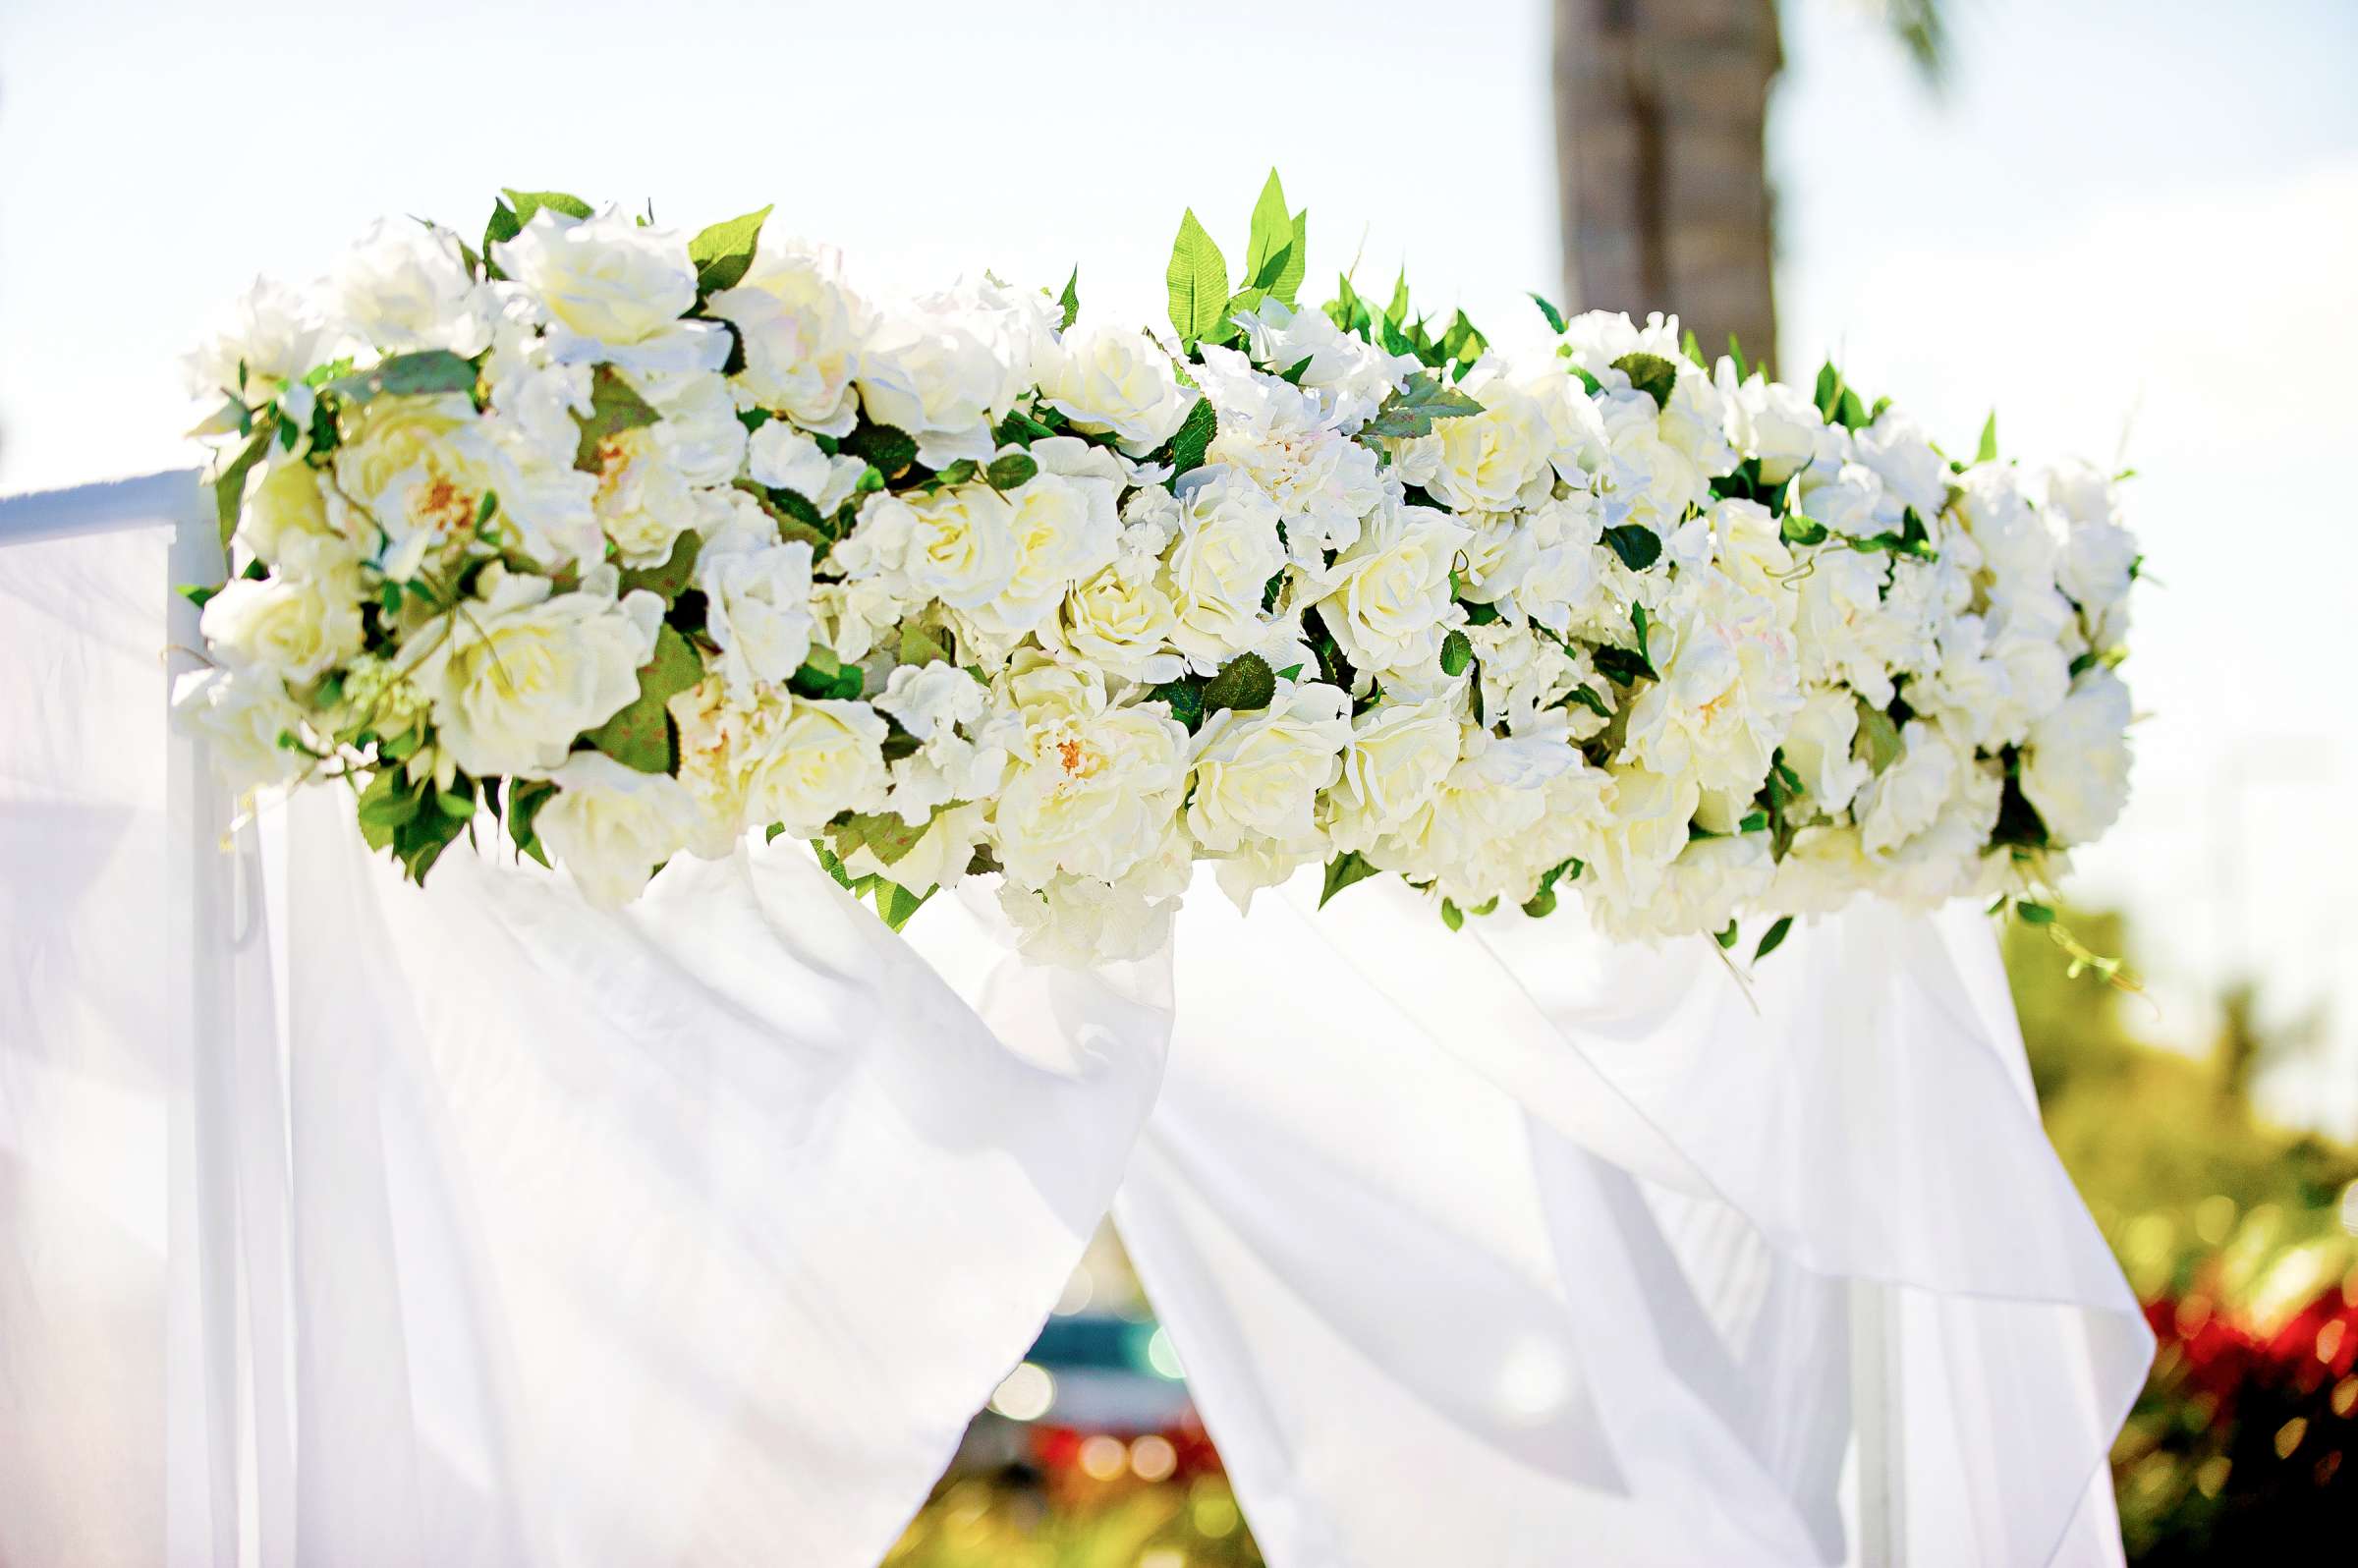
x,y
614,406
1245,683
1878,737
509,217
824,677
1069,302
1343,870
1553,316
1007,472
415,821
887,449
1196,280
420,375
1773,937
525,797
640,735
671,578
229,490
1638,546
882,833
1411,411
723,253
1457,653
1650,374
1278,244
1986,452
1185,450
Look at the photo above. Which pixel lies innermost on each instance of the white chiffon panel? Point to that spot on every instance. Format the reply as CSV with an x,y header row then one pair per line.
x,y
1477,1245
690,1234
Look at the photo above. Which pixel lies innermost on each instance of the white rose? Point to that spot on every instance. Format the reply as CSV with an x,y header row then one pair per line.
x,y
406,287
1945,859
1083,922
650,478
1748,544
784,458
1387,600
1730,685
297,629
1819,747
1112,380
1257,775
274,337
757,611
1398,757
1219,565
1354,375
947,368
614,291
1771,423
1118,622
1896,449
1489,461
285,522
516,679
1643,832
955,544
2075,765
610,825
1903,799
240,717
1654,478
811,759
1700,891
1066,527
802,330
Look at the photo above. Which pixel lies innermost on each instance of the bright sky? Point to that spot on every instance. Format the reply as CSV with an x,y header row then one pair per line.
x,y
2131,225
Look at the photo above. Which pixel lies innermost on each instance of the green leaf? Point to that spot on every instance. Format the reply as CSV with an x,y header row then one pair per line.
x,y
1735,352
1197,281
1553,316
387,803
1010,472
668,581
1692,347
1463,342
1774,935
1070,302
1638,546
1727,937
824,677
420,375
640,735
2031,914
723,253
1987,451
525,797
921,646
1342,872
614,406
1452,917
1878,735
1457,652
229,490
1290,672
528,203
1396,311
1587,696
1245,683
886,836
1288,286
1186,448
898,905
1185,699
885,448
1650,374
1272,250
795,518
1799,527
1411,411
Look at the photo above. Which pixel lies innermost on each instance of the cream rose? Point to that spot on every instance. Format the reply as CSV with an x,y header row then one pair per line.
x,y
411,479
802,330
1096,789
518,677
406,287
1257,775
1115,380
1387,599
297,629
240,717
758,610
955,544
615,290
1219,565
1119,622
1494,461
2075,765
285,522
809,760
1399,754
1065,525
610,825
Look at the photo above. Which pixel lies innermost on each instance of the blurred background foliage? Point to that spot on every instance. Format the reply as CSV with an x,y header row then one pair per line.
x,y
2236,1233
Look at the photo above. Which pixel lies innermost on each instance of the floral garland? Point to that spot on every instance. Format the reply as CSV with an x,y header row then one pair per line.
x,y
637,542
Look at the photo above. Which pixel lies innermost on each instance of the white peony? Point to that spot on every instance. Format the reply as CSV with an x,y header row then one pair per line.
x,y
802,330
1821,749
410,478
1291,444
614,291
297,629
273,338
405,286
938,858
523,672
1117,382
1096,788
1773,423
609,826
2075,764
1387,599
286,526
1900,456
779,759
1902,800
1399,754
650,478
1699,891
1085,922
1257,775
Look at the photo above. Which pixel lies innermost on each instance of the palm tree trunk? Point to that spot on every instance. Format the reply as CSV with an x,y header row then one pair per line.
x,y
1661,114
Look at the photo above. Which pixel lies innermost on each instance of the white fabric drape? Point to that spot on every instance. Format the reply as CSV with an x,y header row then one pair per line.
x,y
507,1232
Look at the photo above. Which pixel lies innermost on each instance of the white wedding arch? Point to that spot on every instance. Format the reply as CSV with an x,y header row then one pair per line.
x,y
348,1222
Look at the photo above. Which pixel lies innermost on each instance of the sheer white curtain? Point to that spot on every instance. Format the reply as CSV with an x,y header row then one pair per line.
x,y
511,1233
